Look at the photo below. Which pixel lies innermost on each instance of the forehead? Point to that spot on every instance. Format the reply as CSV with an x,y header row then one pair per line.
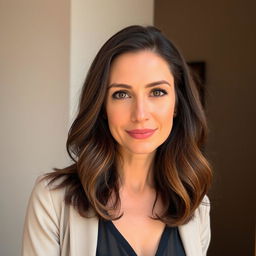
x,y
140,67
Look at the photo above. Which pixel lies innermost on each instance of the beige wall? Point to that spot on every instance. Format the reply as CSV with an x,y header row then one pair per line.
x,y
34,80
45,50
222,33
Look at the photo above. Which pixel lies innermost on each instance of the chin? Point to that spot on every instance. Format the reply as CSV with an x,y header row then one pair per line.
x,y
142,149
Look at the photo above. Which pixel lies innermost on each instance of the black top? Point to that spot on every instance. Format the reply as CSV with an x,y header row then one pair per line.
x,y
112,243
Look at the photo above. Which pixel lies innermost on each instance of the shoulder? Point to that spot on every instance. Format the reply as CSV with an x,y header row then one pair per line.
x,y
44,195
202,215
204,206
44,187
45,219
203,209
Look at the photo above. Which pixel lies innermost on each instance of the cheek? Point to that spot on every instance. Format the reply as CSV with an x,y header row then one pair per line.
x,y
165,119
117,117
166,111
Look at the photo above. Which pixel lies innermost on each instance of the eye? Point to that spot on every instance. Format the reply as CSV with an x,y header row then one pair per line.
x,y
120,95
159,92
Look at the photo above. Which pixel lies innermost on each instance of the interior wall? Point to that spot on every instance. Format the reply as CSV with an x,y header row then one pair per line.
x,y
222,33
34,80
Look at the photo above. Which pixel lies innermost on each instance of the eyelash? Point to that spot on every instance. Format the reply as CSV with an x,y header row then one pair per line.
x,y
155,90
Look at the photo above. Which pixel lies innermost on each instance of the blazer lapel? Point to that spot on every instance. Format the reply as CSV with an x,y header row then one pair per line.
x,y
190,237
83,234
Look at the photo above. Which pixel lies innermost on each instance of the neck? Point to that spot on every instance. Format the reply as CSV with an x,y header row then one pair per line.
x,y
135,171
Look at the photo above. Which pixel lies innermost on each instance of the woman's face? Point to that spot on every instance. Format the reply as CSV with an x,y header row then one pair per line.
x,y
140,96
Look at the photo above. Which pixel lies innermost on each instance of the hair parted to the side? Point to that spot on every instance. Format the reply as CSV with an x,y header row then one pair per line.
x,y
181,172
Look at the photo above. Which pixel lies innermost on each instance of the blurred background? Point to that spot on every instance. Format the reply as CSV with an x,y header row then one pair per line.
x,y
46,48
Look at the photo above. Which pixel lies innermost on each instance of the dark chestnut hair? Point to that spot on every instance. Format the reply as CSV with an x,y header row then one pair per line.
x,y
182,174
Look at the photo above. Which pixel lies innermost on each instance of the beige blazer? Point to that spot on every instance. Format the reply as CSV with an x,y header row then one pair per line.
x,y
52,228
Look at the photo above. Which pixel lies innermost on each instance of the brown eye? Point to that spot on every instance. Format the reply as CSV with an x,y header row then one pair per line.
x,y
119,95
159,92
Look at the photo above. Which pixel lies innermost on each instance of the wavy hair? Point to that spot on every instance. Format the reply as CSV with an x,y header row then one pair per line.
x,y
181,172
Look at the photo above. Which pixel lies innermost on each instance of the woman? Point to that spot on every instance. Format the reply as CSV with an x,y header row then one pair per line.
x,y
139,179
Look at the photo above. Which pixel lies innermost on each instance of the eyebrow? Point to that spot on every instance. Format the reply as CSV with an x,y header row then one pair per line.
x,y
116,85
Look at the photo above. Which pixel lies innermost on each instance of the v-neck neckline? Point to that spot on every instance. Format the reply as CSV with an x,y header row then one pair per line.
x,y
128,248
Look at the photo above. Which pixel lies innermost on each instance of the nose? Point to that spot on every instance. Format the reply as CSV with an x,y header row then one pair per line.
x,y
140,110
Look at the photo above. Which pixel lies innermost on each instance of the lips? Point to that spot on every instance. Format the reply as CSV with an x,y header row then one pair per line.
x,y
141,133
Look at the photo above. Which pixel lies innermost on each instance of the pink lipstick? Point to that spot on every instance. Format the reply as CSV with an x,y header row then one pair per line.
x,y
141,133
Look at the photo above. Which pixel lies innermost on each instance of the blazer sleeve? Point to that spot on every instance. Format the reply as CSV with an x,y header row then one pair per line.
x,y
41,227
205,229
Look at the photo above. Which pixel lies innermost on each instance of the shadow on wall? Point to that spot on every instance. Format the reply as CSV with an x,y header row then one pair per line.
x,y
222,33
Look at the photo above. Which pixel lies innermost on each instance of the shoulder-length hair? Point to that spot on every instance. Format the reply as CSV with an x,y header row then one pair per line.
x,y
182,174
